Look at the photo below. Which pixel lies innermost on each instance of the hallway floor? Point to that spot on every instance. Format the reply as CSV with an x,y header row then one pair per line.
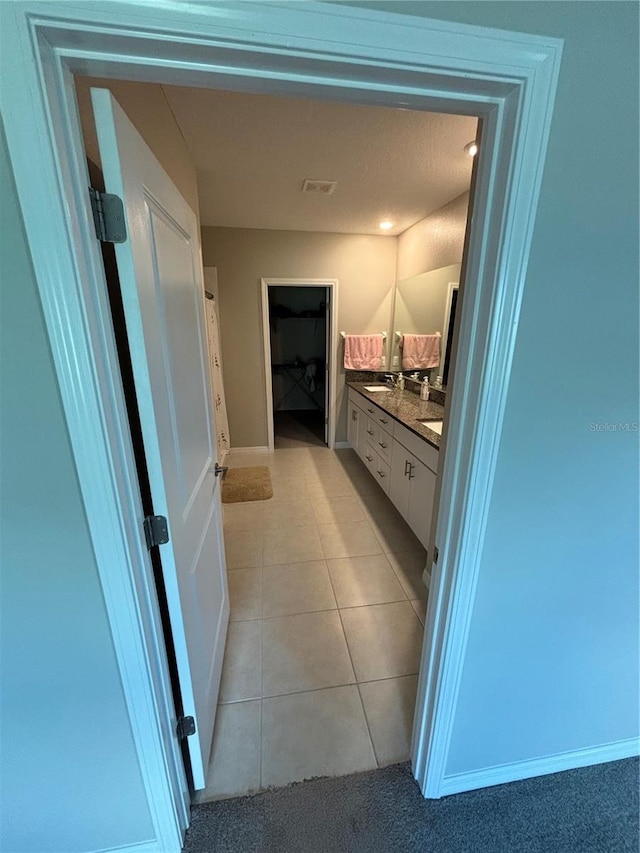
x,y
327,612
589,810
302,429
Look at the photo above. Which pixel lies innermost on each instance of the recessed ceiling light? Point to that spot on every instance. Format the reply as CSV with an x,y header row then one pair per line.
x,y
471,148
386,224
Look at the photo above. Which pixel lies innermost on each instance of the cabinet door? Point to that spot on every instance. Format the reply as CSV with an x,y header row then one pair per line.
x,y
399,489
422,482
361,443
352,426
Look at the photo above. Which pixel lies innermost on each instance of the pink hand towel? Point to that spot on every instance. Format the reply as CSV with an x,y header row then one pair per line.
x,y
363,352
420,351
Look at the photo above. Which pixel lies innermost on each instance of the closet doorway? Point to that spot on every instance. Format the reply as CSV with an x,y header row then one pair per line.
x,y
300,345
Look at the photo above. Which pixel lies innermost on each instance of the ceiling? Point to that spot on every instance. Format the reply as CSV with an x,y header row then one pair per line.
x,y
253,152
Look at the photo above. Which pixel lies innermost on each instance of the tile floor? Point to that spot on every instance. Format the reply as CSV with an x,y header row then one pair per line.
x,y
327,612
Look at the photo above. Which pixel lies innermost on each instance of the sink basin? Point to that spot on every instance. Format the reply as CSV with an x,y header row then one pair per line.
x,y
377,388
436,426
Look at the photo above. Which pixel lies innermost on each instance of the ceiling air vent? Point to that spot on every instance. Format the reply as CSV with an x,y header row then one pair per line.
x,y
322,187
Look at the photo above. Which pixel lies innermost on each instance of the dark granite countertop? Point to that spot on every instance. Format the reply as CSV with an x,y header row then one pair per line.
x,y
406,407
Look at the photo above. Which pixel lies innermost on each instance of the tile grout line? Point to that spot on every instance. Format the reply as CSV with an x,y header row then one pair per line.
x,y
355,675
320,689
366,719
261,732
364,713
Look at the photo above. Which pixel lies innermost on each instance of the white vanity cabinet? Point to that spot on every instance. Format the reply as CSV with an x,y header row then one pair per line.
x,y
412,490
402,463
414,468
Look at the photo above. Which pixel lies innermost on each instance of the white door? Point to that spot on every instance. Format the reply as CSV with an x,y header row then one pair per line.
x,y
161,279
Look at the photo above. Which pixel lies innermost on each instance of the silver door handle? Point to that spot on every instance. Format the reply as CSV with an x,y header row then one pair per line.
x,y
380,473
219,469
411,467
382,444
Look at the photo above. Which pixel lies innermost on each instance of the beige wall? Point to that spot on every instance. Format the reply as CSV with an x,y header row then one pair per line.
x,y
149,111
364,266
435,241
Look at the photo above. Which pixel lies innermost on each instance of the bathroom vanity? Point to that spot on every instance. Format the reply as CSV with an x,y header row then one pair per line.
x,y
389,431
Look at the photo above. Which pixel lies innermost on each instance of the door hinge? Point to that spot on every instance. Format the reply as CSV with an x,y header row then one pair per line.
x,y
108,217
435,555
185,727
156,530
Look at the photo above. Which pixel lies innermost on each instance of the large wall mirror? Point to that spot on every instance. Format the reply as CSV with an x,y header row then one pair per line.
x,y
425,305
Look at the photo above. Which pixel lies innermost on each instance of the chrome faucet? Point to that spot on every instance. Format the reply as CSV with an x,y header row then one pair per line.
x,y
392,379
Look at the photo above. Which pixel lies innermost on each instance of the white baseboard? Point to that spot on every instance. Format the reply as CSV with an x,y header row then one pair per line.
x,y
503,773
341,445
258,449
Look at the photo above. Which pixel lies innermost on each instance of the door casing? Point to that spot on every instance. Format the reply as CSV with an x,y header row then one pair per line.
x,y
307,49
332,286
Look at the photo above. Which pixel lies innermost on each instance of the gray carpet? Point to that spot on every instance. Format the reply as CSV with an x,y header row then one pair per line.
x,y
579,811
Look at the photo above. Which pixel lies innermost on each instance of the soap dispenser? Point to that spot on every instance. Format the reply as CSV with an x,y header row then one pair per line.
x,y
400,385
424,389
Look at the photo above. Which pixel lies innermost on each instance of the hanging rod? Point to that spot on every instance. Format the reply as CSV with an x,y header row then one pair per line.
x,y
384,334
400,335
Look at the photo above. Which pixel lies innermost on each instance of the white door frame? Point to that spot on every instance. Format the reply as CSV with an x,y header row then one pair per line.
x,y
308,49
332,285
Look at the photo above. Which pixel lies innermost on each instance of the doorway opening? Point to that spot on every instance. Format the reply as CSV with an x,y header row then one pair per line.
x,y
298,332
335,564
298,329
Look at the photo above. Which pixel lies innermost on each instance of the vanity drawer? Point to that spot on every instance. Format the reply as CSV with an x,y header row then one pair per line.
x,y
385,421
379,469
370,457
425,452
384,445
382,473
371,409
371,430
357,399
